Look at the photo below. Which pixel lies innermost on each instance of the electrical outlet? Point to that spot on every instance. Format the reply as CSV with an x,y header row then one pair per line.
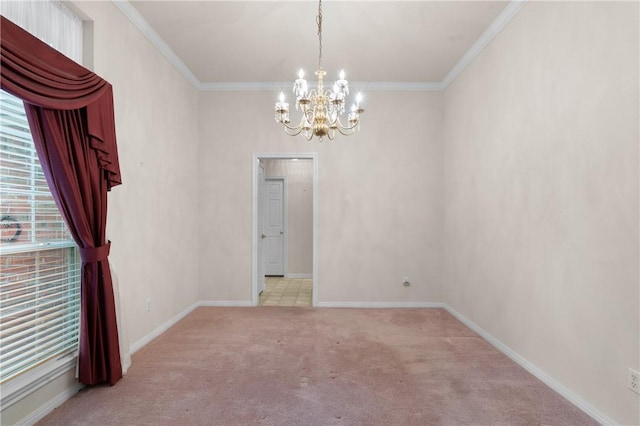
x,y
634,381
405,282
147,306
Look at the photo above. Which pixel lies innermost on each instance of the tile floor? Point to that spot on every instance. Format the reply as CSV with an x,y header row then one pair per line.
x,y
286,292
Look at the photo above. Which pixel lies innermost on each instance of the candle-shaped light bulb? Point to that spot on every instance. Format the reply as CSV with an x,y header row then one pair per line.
x,y
342,85
300,88
358,100
353,116
282,110
335,88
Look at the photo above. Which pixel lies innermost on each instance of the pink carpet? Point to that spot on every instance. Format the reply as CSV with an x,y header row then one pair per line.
x,y
307,366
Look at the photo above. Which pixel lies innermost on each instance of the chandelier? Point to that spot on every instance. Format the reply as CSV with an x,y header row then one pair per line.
x,y
321,110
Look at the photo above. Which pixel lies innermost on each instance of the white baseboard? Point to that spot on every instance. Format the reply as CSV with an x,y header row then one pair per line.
x,y
379,305
299,276
49,406
226,303
580,403
583,405
168,324
164,327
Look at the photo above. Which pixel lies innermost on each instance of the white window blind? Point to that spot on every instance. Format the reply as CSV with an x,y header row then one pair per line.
x,y
39,265
39,262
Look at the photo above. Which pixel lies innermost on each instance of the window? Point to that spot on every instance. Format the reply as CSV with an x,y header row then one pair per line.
x,y
39,262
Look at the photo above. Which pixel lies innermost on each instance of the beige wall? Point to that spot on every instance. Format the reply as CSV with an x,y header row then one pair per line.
x,y
379,206
299,190
153,216
541,195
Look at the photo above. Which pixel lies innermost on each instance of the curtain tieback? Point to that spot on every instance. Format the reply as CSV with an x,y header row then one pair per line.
x,y
95,254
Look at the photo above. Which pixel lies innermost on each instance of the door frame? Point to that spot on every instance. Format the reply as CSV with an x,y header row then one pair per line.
x,y
285,220
255,158
261,267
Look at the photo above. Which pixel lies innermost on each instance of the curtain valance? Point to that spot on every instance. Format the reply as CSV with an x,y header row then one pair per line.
x,y
44,77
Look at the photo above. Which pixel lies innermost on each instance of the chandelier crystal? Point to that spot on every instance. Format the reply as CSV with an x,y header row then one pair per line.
x,y
321,110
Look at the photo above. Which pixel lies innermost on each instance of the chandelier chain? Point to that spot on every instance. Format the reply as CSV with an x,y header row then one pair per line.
x,y
319,22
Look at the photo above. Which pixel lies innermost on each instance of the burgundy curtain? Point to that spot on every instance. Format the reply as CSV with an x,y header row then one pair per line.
x,y
70,113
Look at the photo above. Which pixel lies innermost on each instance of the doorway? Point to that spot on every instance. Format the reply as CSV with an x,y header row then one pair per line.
x,y
280,291
259,229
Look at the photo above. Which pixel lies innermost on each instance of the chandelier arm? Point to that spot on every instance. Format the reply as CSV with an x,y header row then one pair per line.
x,y
292,131
308,115
342,127
347,132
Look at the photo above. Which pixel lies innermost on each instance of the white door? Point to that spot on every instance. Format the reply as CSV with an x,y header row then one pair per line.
x,y
274,227
262,202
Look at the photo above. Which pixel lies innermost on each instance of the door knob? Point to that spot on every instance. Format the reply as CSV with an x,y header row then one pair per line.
x,y
281,232
263,236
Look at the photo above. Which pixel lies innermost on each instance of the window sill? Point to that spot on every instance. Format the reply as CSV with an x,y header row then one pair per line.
x,y
6,249
20,387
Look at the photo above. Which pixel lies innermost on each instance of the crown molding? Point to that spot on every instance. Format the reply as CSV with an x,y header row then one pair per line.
x,y
509,12
276,86
244,86
136,19
396,86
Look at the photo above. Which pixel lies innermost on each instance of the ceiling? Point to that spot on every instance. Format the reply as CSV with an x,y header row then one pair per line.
x,y
220,42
